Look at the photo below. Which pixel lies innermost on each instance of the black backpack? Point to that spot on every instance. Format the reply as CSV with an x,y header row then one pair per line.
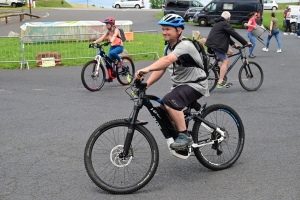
x,y
122,34
123,38
202,53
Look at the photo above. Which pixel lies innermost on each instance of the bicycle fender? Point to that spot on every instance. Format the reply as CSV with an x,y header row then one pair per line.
x,y
137,122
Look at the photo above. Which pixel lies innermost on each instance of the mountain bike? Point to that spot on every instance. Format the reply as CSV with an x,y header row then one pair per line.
x,y
93,74
250,74
122,156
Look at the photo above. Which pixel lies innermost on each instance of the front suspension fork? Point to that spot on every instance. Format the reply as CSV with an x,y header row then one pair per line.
x,y
130,132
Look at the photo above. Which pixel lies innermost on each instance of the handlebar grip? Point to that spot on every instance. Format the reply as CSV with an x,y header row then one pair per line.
x,y
107,43
141,73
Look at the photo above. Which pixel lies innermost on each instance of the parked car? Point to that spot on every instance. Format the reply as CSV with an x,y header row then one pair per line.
x,y
129,4
12,3
239,10
189,14
180,6
270,5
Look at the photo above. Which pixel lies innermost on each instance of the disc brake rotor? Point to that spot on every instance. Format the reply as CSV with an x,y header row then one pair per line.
x,y
115,157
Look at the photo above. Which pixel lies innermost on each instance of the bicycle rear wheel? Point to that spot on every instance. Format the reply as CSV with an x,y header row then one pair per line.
x,y
213,77
90,79
120,175
125,74
223,155
251,76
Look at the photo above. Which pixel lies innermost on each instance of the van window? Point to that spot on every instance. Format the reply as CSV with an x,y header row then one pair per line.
x,y
183,4
228,6
211,7
251,7
196,4
171,4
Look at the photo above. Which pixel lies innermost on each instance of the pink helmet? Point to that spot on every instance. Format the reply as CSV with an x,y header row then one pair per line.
x,y
109,20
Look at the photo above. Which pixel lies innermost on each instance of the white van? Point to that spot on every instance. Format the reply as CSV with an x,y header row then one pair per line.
x,y
294,13
12,3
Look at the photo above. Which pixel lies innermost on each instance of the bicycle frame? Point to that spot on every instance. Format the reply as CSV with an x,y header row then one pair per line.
x,y
164,122
101,58
240,55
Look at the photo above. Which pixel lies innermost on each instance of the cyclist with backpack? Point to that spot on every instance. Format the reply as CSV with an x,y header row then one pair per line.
x,y
113,35
188,81
219,39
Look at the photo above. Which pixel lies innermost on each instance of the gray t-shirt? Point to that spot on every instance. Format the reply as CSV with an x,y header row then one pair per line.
x,y
184,71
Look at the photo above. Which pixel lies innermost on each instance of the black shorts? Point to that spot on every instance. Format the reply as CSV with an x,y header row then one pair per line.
x,y
181,96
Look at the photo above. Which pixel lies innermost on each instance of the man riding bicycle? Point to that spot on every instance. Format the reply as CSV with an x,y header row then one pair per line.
x,y
219,39
188,81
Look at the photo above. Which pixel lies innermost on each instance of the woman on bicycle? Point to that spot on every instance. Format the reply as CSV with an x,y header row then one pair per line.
x,y
113,35
187,79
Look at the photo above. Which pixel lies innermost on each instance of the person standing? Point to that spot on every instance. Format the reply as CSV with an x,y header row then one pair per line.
x,y
298,21
252,25
274,31
288,23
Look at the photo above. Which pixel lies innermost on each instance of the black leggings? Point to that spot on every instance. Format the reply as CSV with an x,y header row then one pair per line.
x,y
288,25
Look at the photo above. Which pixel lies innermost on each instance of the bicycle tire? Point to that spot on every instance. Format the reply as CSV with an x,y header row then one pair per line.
x,y
116,175
232,146
89,80
252,73
125,74
212,79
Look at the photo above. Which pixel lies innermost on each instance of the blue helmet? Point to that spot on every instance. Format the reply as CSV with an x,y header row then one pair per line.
x,y
172,20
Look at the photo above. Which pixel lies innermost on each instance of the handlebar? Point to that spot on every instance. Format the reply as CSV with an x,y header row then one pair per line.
x,y
242,47
138,82
93,45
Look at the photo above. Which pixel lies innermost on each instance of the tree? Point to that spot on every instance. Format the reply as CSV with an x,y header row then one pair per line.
x,y
156,4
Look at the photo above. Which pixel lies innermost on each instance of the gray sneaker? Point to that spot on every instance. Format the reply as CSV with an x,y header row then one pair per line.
x,y
181,142
252,56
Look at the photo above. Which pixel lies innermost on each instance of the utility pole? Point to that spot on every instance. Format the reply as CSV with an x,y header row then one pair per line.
x,y
87,3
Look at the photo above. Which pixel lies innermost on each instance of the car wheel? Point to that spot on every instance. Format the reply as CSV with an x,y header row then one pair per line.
x,y
190,19
202,22
117,6
14,5
244,24
137,6
274,8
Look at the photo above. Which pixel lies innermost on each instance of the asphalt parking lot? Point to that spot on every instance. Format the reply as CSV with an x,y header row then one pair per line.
x,y
47,117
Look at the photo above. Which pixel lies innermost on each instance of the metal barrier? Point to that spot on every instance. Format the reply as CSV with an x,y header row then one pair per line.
x,y
70,46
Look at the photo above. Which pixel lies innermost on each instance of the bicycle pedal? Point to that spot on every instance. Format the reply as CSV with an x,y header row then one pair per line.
x,y
183,152
108,80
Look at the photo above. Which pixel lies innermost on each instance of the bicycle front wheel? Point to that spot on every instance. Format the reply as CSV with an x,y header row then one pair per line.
x,y
222,155
213,77
113,173
251,76
125,74
91,79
